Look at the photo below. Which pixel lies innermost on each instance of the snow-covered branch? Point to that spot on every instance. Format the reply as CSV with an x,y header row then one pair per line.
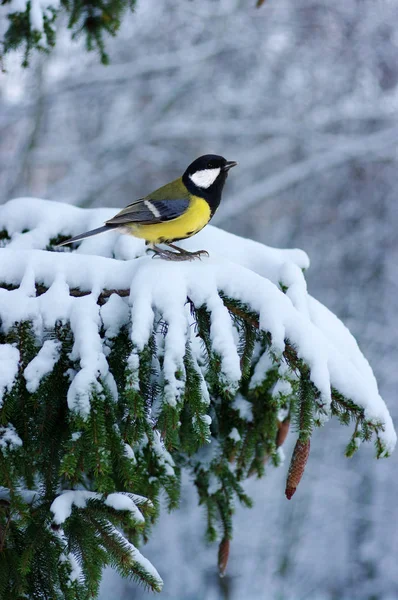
x,y
291,316
123,368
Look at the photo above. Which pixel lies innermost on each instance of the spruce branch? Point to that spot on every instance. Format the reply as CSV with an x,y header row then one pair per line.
x,y
129,385
92,19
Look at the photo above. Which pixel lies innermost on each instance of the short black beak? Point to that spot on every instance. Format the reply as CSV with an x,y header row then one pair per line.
x,y
229,164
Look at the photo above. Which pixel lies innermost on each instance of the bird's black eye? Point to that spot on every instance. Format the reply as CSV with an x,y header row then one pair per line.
x,y
210,165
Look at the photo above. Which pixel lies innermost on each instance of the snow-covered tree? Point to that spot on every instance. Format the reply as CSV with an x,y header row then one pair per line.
x,y
304,96
120,372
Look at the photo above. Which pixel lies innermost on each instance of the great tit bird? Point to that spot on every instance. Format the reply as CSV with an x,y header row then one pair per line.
x,y
175,211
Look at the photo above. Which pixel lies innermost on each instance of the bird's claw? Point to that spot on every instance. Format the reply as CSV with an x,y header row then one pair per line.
x,y
181,255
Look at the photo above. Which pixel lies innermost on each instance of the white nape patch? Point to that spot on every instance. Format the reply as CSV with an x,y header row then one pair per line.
x,y
205,178
152,208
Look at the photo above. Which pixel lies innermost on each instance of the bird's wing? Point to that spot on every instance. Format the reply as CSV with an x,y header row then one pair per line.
x,y
165,204
147,211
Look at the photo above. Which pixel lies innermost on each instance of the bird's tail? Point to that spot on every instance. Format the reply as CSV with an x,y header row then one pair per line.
x,y
88,234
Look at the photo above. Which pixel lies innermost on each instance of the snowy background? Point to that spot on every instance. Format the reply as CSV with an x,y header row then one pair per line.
x,y
305,96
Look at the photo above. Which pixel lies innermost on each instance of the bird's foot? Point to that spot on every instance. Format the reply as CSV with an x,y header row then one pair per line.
x,y
166,254
197,254
179,254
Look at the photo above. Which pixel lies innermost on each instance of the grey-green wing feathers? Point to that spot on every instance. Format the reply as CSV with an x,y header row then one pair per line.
x,y
165,204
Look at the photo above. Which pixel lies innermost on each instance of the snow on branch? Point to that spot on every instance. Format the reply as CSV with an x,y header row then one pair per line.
x,y
134,365
245,271
31,23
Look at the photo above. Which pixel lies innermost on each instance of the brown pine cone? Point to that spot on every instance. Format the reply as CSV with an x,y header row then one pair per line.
x,y
297,466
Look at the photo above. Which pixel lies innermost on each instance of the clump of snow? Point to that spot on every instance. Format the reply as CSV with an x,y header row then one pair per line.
x,y
282,388
243,407
9,439
234,435
88,348
63,504
114,314
120,501
133,363
264,364
241,269
42,364
71,560
76,572
206,419
9,360
129,452
163,455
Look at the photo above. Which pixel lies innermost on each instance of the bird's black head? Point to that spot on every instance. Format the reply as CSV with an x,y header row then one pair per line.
x,y
206,176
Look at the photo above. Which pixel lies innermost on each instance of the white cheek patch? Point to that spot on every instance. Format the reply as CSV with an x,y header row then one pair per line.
x,y
206,178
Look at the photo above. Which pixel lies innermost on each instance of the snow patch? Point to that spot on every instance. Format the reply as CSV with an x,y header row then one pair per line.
x,y
42,364
241,269
62,505
9,439
234,435
243,407
119,501
9,361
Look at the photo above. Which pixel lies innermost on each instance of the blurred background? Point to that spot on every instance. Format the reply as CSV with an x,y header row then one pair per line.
x,y
305,96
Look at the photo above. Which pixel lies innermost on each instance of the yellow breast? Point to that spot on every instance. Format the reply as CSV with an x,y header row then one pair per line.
x,y
193,220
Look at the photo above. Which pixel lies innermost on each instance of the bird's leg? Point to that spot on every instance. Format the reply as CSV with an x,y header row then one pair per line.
x,y
165,254
188,255
179,255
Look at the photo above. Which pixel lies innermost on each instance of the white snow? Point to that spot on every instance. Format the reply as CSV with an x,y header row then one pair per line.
x,y
133,363
137,557
9,439
63,504
76,570
120,501
264,364
243,407
241,269
114,314
42,364
234,435
88,348
282,388
206,419
163,455
129,452
9,360
38,9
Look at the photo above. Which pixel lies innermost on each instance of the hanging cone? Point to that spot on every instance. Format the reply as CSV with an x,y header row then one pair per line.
x,y
297,466
223,554
259,3
283,430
